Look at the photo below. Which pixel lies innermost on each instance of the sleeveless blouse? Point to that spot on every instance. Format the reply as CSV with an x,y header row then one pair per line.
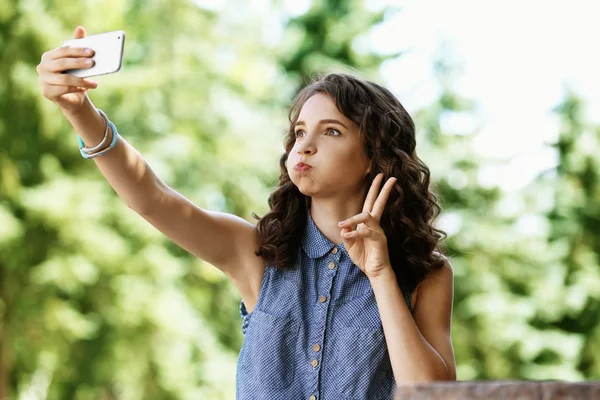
x,y
316,332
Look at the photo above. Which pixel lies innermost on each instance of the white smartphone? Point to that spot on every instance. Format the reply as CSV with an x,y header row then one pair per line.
x,y
108,53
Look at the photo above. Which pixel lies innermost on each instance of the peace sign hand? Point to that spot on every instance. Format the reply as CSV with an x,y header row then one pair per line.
x,y
367,245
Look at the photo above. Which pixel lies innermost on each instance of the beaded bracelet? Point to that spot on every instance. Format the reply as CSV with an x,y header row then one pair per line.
x,y
87,152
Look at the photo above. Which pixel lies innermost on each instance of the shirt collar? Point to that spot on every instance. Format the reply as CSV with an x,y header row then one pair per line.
x,y
314,243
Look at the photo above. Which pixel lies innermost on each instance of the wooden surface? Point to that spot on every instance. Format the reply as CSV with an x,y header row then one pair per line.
x,y
501,390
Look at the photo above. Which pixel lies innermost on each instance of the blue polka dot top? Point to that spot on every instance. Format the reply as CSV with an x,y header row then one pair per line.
x,y
315,333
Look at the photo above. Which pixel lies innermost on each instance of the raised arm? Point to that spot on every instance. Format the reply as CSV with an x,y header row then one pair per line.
x,y
226,241
223,240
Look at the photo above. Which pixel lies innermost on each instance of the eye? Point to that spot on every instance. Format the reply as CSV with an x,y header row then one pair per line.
x,y
327,131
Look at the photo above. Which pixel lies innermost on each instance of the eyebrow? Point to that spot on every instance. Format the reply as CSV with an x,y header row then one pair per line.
x,y
323,121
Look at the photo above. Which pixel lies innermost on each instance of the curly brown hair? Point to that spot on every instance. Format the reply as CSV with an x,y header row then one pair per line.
x,y
413,243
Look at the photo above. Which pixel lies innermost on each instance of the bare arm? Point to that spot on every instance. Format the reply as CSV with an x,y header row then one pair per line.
x,y
224,240
419,345
123,167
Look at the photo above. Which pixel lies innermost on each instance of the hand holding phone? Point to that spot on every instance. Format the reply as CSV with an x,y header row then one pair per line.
x,y
68,90
108,53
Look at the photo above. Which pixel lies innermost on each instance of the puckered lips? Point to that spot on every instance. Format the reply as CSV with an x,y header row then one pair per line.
x,y
302,167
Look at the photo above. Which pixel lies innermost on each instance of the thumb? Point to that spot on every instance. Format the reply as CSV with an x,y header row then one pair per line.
x,y
79,33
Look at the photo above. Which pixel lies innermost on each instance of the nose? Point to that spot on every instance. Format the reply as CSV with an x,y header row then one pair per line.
x,y
306,148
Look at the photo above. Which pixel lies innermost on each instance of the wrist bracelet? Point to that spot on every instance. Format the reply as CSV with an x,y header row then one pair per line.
x,y
103,143
109,125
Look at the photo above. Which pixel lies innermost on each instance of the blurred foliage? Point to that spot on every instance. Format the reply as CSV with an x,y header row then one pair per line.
x,y
96,304
527,277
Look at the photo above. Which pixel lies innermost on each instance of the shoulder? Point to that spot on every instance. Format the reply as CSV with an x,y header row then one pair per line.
x,y
444,272
437,280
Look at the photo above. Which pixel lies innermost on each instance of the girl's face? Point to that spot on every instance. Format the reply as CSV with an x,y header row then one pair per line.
x,y
330,143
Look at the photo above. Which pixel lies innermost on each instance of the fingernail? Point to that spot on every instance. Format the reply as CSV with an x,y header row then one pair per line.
x,y
88,51
341,223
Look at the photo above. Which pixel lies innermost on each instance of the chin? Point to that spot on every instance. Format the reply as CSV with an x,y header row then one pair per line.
x,y
308,193
304,185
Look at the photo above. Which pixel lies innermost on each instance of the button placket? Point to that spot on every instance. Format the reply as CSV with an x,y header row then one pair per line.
x,y
328,274
316,347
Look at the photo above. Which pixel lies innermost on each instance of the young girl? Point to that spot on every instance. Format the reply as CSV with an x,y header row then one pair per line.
x,y
344,289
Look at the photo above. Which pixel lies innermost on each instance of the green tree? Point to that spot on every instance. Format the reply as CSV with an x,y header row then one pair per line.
x,y
94,302
574,233
525,263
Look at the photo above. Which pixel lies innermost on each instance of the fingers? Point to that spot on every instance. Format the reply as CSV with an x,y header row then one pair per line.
x,y
63,64
364,233
377,210
51,71
69,80
54,81
363,218
374,204
55,85
70,89
53,92
55,62
372,195
67,51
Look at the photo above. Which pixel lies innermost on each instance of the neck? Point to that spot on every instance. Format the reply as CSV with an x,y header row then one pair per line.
x,y
326,213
